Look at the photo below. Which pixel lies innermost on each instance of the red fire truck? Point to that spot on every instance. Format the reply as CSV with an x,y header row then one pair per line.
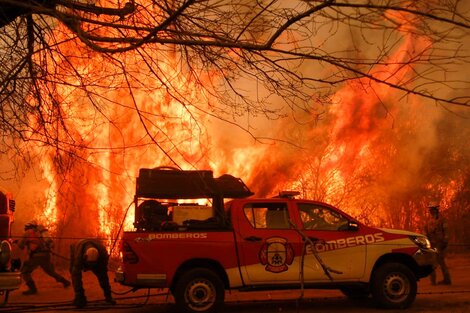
x,y
200,249
10,277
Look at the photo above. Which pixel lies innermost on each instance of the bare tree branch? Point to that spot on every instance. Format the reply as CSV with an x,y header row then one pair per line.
x,y
296,51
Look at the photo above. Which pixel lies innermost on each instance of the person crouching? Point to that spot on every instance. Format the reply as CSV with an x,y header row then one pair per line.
x,y
89,255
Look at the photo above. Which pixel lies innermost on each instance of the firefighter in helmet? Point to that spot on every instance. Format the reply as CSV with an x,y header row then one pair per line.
x,y
89,255
436,231
39,255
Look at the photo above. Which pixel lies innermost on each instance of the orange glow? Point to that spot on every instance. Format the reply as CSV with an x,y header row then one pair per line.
x,y
352,144
116,134
49,215
94,187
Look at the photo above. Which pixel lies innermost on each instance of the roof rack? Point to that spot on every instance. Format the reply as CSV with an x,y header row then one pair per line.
x,y
170,183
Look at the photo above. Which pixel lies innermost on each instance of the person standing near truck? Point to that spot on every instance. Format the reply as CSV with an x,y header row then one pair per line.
x,y
89,255
436,231
39,255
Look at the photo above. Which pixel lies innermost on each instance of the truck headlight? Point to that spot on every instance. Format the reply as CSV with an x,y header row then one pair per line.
x,y
421,241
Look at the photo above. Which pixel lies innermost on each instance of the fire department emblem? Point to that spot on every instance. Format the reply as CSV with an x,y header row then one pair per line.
x,y
276,253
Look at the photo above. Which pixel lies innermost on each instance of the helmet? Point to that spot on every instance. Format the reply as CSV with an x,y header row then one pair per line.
x,y
91,254
31,225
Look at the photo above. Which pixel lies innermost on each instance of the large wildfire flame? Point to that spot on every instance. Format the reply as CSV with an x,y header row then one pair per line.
x,y
356,145
90,190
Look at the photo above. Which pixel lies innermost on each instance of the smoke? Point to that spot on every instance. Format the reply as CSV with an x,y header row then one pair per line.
x,y
373,151
376,152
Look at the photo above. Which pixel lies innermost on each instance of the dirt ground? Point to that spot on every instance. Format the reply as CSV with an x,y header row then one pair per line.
x,y
52,297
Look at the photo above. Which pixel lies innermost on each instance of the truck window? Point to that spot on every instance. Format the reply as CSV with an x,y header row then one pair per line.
x,y
317,217
267,215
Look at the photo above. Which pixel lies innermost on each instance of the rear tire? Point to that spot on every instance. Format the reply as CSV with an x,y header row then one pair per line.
x,y
199,290
394,286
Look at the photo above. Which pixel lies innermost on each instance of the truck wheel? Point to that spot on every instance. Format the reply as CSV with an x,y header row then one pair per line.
x,y
356,292
394,286
5,255
199,290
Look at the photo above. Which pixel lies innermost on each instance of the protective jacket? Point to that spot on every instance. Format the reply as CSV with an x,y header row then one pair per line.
x,y
436,231
39,250
34,241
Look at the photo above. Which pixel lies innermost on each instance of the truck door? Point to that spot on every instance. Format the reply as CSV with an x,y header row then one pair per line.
x,y
268,246
339,247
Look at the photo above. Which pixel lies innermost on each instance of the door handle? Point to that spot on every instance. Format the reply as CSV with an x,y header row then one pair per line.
x,y
253,238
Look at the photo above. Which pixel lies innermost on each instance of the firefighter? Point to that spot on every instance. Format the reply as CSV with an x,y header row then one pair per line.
x,y
39,255
436,231
89,255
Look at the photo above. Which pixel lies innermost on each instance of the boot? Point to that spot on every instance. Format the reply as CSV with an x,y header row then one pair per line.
x,y
65,282
109,299
445,273
80,301
32,288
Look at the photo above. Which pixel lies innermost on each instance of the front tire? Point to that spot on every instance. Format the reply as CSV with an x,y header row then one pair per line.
x,y
394,286
199,291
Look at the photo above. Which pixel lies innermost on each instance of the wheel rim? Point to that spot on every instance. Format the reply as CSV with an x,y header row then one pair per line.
x,y
5,253
396,287
200,295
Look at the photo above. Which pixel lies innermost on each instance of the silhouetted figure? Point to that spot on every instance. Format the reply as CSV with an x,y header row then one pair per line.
x,y
436,230
89,255
39,255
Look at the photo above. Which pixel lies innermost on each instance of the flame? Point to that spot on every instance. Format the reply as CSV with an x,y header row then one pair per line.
x,y
113,135
135,119
351,141
49,215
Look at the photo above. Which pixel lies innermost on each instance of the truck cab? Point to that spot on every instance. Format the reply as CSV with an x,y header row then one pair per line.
x,y
234,241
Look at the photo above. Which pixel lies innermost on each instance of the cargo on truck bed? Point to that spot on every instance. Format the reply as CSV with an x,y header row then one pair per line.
x,y
199,236
157,192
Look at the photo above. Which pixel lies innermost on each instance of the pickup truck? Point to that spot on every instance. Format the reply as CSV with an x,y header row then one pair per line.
x,y
10,277
198,249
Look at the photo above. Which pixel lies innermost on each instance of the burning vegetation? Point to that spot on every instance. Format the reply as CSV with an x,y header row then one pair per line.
x,y
360,105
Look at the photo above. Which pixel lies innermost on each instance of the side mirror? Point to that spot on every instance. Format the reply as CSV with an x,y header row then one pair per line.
x,y
353,226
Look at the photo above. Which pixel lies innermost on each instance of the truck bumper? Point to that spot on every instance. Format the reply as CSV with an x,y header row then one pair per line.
x,y
143,280
426,259
10,280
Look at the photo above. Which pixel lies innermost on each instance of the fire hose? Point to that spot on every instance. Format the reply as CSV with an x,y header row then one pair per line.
x,y
307,240
60,256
